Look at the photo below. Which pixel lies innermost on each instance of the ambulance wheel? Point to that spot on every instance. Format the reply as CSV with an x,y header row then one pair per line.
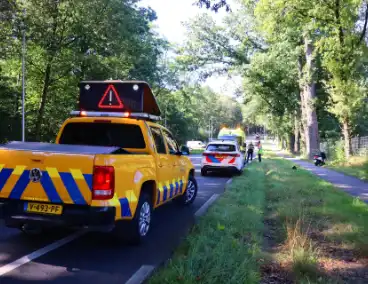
x,y
238,172
135,231
204,172
190,193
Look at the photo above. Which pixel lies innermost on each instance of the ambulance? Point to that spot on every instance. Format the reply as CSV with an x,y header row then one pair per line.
x,y
233,134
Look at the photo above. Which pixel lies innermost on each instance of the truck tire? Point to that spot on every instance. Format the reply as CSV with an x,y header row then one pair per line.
x,y
203,172
135,231
190,192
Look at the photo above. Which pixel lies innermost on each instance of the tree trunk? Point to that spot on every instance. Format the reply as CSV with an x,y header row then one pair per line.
x,y
347,138
52,51
296,135
304,130
291,142
312,135
41,110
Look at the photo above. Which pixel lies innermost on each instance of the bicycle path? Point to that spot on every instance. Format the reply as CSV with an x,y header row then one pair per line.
x,y
351,185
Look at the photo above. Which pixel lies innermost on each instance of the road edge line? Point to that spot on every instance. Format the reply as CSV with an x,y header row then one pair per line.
x,y
227,184
142,274
38,253
146,271
203,209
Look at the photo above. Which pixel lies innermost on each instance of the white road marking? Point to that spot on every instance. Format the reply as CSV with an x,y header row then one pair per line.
x,y
145,271
141,274
205,206
36,254
228,183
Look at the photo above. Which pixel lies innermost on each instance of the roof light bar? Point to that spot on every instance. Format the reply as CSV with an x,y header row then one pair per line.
x,y
115,114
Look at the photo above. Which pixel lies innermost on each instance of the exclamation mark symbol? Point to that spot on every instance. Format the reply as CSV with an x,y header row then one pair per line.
x,y
110,97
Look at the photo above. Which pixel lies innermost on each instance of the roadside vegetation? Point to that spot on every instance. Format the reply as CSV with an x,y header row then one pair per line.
x,y
275,225
226,244
355,166
196,152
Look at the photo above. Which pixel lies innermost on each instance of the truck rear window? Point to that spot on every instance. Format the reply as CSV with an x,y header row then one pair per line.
x,y
103,134
221,148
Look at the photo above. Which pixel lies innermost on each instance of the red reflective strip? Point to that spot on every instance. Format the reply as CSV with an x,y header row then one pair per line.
x,y
116,95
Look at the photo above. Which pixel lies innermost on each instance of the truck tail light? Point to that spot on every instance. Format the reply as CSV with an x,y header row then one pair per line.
x,y
103,184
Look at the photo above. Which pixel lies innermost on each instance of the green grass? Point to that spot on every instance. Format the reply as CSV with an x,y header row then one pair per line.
x,y
227,241
305,217
355,166
196,152
311,216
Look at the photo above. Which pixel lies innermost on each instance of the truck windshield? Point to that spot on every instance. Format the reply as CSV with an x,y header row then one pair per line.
x,y
103,134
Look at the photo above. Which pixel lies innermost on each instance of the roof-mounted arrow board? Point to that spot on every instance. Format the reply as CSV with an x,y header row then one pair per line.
x,y
110,99
117,96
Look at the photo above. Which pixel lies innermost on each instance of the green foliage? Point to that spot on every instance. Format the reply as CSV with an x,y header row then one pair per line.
x,y
226,244
336,31
298,214
68,41
189,109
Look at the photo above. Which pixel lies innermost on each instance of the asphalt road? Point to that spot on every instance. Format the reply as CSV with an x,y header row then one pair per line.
x,y
93,257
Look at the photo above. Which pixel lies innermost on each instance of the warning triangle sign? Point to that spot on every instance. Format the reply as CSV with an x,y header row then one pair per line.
x,y
110,99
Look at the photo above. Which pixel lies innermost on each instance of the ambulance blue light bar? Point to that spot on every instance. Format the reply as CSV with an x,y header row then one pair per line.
x,y
137,115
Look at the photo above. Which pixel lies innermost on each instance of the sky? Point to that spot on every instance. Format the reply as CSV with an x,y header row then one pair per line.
x,y
171,15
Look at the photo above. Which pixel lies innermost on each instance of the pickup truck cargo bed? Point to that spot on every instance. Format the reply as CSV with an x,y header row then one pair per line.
x,y
57,148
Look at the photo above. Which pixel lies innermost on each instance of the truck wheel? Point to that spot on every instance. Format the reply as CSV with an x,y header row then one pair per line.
x,y
203,172
190,193
135,231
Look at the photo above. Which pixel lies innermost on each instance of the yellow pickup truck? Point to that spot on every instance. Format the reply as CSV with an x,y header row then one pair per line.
x,y
111,165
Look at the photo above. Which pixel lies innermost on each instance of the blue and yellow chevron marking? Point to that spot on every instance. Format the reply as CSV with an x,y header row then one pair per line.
x,y
60,187
125,208
128,202
169,190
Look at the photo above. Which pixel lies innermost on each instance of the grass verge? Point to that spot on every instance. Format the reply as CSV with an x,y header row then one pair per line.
x,y
227,241
196,152
355,166
275,225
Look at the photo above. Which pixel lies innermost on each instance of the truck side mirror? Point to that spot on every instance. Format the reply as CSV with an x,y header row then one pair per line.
x,y
185,150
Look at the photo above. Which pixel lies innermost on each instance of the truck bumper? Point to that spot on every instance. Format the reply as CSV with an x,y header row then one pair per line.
x,y
73,216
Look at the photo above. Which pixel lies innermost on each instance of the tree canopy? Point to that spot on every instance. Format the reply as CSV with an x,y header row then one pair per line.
x,y
303,65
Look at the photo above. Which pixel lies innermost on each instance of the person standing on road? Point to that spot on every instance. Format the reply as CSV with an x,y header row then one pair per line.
x,y
250,152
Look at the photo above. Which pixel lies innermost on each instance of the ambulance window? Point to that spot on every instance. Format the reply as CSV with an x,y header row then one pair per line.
x,y
103,134
159,140
171,143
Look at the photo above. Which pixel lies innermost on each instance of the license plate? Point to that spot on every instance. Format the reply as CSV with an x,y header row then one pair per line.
x,y
43,208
